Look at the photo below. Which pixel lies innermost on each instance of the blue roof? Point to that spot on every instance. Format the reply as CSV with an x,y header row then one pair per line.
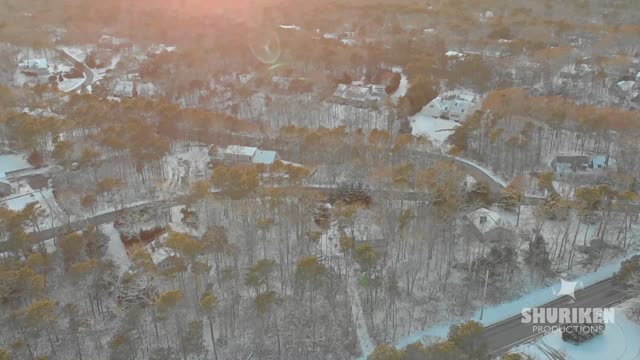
x,y
563,168
600,161
13,162
265,157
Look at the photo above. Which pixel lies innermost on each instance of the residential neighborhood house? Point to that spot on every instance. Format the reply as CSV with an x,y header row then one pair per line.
x,y
488,227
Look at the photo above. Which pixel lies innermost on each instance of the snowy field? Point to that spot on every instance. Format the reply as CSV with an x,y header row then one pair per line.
x,y
435,129
70,85
185,165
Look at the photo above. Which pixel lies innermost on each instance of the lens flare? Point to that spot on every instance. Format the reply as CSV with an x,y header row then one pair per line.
x,y
265,45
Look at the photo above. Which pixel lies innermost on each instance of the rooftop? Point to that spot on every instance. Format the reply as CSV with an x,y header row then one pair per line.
x,y
264,157
485,220
40,63
240,150
13,162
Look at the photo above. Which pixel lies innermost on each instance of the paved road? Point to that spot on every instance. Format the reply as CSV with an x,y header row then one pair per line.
x,y
88,73
82,224
509,333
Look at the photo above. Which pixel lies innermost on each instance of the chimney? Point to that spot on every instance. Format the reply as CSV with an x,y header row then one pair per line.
x,y
483,219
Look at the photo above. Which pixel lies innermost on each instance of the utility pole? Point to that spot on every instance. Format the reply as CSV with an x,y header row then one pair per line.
x,y
484,294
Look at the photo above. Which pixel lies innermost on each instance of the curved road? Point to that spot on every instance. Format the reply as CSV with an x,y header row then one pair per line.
x,y
89,76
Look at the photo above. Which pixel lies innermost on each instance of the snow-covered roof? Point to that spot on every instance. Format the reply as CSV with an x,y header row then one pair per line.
x,y
360,93
13,162
123,88
18,203
638,76
265,157
452,53
161,48
146,89
240,150
454,103
158,251
626,85
40,63
290,27
485,220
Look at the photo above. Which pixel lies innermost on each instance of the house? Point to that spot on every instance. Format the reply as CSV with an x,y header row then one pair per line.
x,y
124,88
12,165
488,226
112,42
266,157
39,67
161,256
603,162
568,164
280,82
5,188
160,49
147,90
239,153
453,105
363,96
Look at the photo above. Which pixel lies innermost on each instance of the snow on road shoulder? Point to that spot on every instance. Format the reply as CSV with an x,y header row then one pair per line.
x,y
618,341
115,248
504,311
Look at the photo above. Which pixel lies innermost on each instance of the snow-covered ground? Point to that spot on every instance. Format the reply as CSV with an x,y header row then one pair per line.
x,y
77,52
435,129
184,166
102,72
404,84
115,248
618,341
70,85
329,246
504,311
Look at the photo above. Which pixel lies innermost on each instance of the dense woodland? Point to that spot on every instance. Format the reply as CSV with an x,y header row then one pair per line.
x,y
359,232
